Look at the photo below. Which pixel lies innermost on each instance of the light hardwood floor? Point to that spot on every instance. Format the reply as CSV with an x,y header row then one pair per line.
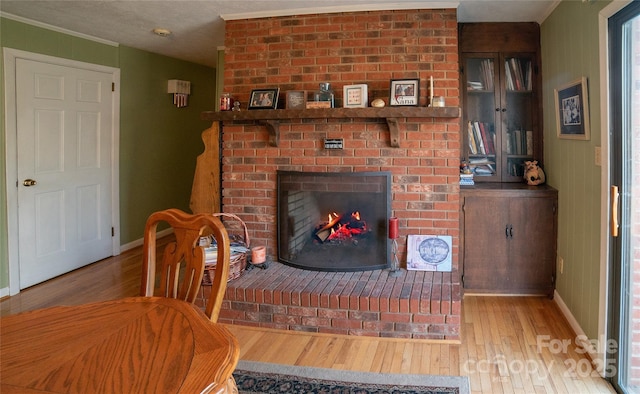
x,y
509,344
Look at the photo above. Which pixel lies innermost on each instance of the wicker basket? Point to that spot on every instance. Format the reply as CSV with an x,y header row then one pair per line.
x,y
238,258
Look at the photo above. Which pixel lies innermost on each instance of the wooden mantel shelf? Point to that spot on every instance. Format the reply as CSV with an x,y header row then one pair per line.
x,y
271,117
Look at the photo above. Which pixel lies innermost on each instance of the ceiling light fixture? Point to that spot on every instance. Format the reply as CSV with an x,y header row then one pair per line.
x,y
162,32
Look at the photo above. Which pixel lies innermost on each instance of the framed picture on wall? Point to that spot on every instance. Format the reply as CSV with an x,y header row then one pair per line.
x,y
404,92
572,110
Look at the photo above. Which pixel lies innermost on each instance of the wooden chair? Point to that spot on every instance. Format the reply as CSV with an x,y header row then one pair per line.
x,y
182,265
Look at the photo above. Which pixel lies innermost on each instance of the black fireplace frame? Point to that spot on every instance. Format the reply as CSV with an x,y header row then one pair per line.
x,y
382,227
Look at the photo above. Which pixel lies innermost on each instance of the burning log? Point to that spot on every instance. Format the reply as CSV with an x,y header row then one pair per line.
x,y
325,232
322,235
332,222
334,230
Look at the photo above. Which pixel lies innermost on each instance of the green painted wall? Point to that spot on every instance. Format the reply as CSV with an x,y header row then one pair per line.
x,y
159,143
569,51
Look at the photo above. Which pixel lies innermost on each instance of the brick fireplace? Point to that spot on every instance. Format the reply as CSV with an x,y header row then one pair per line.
x,y
297,53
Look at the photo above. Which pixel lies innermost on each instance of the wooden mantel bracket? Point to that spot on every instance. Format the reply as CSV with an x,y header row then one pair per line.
x,y
273,127
392,123
271,118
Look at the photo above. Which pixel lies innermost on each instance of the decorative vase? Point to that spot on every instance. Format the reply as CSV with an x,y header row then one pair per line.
x,y
325,94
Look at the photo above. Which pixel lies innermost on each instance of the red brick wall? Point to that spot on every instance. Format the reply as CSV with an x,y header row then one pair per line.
x,y
299,52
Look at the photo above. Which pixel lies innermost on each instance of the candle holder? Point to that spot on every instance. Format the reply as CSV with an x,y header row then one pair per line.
x,y
394,271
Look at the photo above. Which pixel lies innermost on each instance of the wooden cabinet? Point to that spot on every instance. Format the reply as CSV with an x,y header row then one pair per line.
x,y
509,238
500,85
508,229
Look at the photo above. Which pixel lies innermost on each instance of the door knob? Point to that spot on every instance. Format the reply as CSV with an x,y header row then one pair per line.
x,y
29,182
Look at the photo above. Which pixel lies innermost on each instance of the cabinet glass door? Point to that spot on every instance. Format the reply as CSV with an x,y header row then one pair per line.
x,y
517,109
481,116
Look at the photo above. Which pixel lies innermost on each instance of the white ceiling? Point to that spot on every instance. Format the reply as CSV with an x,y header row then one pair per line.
x,y
198,26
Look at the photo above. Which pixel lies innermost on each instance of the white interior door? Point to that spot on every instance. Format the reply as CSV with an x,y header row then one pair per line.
x,y
64,168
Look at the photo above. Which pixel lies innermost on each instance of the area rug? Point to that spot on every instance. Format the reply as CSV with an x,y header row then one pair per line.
x,y
255,377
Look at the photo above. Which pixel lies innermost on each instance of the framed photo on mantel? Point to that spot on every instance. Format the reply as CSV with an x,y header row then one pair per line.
x,y
355,96
296,99
404,92
264,98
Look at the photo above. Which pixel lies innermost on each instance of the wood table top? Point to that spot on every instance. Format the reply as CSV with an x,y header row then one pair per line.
x,y
132,345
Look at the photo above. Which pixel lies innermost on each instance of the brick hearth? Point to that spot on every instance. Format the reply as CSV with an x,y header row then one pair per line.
x,y
417,304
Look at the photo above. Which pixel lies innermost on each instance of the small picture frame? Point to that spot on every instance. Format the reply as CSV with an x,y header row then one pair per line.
x,y
404,92
264,98
296,99
355,96
572,110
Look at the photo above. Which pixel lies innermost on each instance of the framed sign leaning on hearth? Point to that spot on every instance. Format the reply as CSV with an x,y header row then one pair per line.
x,y
429,253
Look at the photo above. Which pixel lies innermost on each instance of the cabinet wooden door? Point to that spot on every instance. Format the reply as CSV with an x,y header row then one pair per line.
x,y
509,244
531,246
485,243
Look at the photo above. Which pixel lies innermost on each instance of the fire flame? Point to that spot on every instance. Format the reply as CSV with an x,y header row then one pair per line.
x,y
336,228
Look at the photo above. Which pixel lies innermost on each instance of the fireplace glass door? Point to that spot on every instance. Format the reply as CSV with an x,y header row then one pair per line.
x,y
334,221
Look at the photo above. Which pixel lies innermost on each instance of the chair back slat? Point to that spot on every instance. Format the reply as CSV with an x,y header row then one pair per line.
x,y
182,266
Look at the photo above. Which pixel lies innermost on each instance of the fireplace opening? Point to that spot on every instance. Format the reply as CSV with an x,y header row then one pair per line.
x,y
334,221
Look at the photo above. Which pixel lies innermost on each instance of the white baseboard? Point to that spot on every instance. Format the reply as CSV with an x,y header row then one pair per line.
x,y
140,241
581,339
567,314
4,292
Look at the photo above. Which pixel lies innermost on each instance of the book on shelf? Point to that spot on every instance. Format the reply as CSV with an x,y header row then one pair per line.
x,y
474,85
486,70
520,142
486,170
515,169
481,138
487,137
485,74
529,145
466,179
518,73
509,77
473,148
481,160
482,166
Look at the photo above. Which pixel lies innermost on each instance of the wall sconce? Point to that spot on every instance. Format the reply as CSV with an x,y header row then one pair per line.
x,y
180,90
